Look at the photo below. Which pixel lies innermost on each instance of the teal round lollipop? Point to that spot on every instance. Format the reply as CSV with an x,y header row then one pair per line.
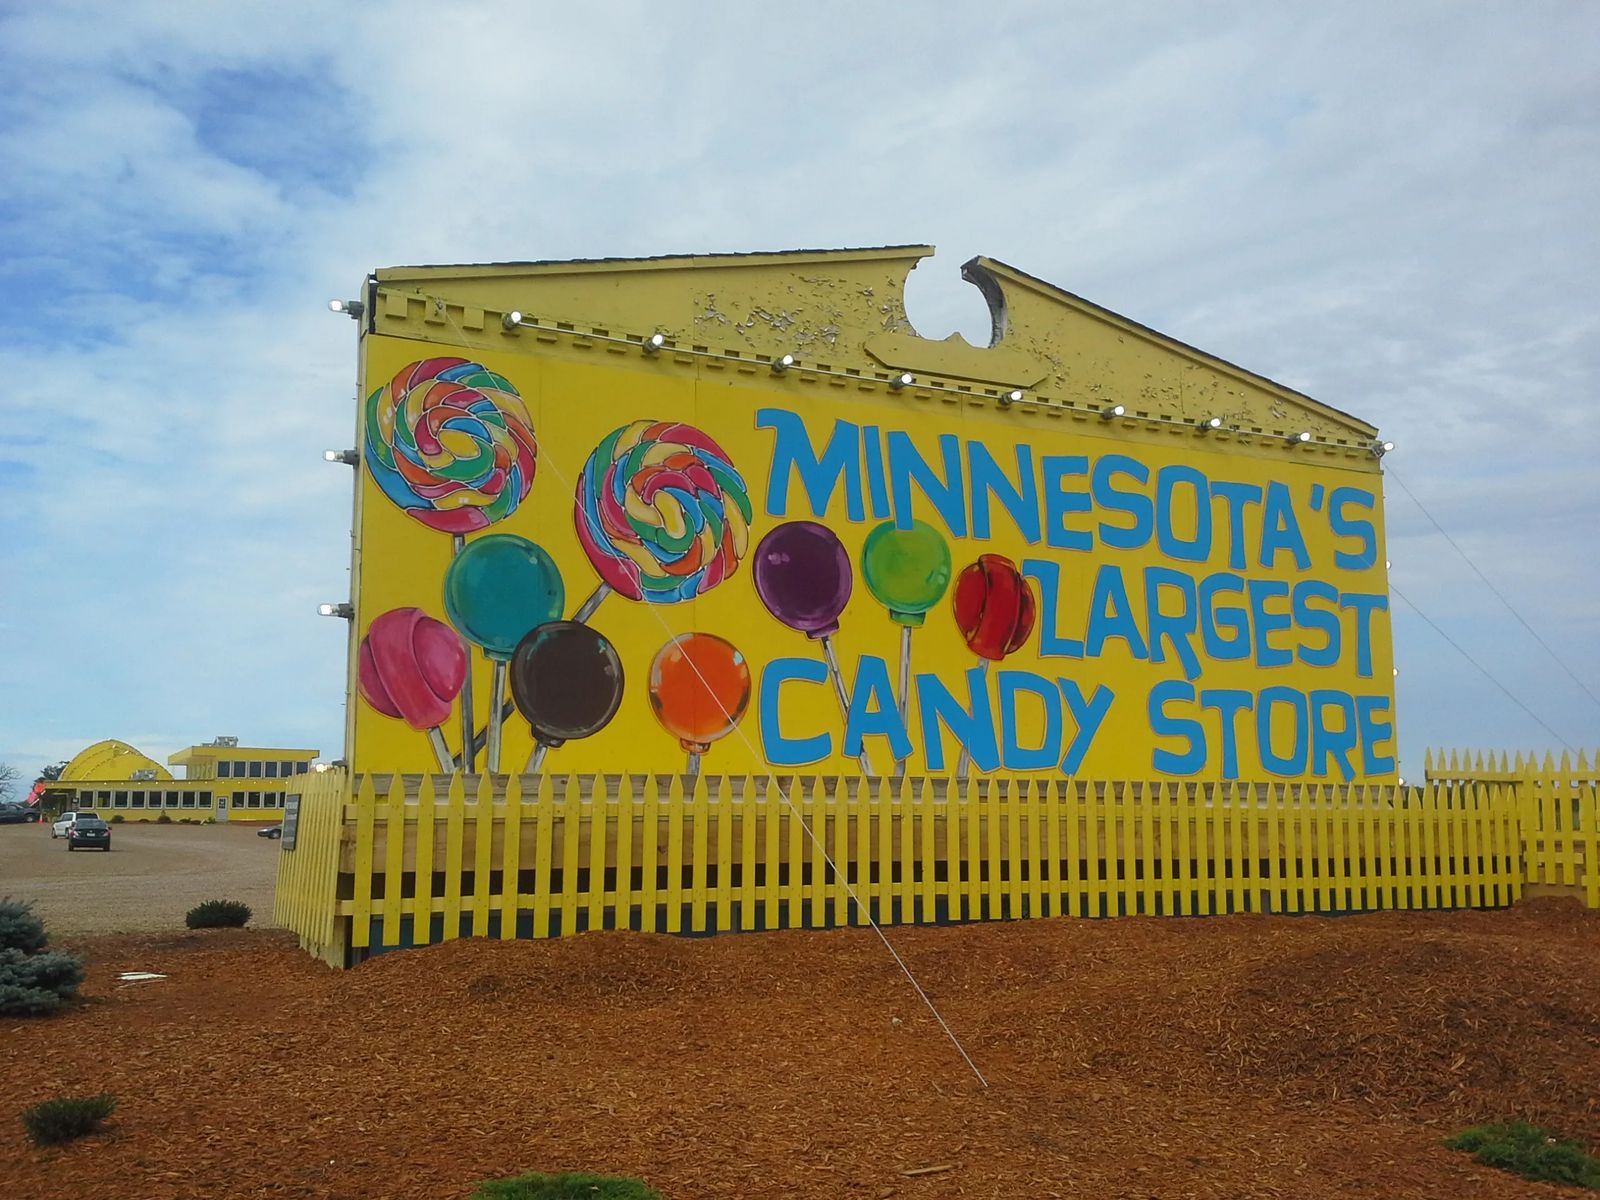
x,y
499,588
907,570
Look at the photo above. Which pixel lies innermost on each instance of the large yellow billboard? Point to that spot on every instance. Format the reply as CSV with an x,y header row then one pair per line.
x,y
592,555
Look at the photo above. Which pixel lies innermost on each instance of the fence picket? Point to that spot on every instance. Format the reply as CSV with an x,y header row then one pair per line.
x,y
544,821
677,805
394,859
724,825
482,822
700,867
627,825
597,833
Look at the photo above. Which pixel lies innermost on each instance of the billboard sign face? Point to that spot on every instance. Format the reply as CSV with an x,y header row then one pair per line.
x,y
625,561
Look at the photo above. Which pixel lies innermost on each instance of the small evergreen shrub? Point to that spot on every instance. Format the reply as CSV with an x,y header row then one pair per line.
x,y
1530,1152
564,1187
33,981
20,927
117,818
217,914
164,819
51,1122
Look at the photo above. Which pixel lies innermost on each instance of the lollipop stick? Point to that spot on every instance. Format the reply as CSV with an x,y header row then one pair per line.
x,y
536,759
694,763
497,691
447,761
844,701
469,755
586,609
481,738
965,761
905,691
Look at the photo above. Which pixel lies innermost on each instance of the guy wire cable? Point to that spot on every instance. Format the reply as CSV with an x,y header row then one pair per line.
x,y
1559,661
1482,670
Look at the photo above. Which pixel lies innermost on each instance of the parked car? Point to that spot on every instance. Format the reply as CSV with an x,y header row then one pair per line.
x,y
271,831
88,830
17,814
59,827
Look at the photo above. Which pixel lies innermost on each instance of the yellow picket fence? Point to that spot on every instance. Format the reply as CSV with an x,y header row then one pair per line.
x,y
409,860
1557,812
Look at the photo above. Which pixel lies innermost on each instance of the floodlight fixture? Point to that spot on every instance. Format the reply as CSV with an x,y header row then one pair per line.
x,y
782,364
1011,397
1112,411
1380,448
348,457
1210,423
902,381
511,320
653,343
350,308
346,611
1299,439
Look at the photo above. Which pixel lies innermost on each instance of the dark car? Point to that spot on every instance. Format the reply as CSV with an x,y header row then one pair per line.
x,y
17,814
271,831
88,831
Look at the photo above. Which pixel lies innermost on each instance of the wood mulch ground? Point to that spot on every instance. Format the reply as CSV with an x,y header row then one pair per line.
x,y
1221,1057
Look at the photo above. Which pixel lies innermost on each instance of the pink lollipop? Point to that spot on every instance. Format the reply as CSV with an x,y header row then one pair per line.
x,y
412,667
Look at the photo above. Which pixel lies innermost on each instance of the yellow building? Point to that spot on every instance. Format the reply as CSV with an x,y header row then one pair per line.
x,y
626,515
222,781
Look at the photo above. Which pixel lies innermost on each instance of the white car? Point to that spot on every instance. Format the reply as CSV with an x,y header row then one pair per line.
x,y
60,827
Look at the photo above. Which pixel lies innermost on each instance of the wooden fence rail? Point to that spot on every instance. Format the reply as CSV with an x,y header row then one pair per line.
x,y
410,860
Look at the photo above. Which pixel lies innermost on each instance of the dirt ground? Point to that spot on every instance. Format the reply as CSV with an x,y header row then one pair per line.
x,y
1221,1057
152,875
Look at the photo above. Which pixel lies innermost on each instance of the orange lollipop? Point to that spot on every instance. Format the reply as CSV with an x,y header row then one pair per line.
x,y
699,690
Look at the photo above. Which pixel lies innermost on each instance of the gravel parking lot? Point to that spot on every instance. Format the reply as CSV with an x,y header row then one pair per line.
x,y
152,875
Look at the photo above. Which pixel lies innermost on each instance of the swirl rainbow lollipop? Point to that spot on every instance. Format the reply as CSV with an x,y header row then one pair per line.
x,y
450,442
662,514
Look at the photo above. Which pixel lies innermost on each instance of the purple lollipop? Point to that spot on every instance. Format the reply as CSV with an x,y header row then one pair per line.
x,y
803,576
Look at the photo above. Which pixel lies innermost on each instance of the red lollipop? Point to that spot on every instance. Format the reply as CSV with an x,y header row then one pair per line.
x,y
994,610
994,607
411,666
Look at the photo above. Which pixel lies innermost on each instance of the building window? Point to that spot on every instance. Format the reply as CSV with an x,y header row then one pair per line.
x,y
120,800
301,768
205,799
105,800
286,768
138,799
85,799
188,800
272,770
224,770
255,770
238,769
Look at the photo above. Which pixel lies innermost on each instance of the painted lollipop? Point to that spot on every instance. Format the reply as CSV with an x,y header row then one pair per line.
x,y
451,443
995,609
411,666
567,681
497,589
662,514
803,576
699,690
907,570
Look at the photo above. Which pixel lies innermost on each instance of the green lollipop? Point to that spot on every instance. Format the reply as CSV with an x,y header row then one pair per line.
x,y
907,571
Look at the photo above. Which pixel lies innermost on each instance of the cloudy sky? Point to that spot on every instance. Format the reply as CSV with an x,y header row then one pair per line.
x,y
1389,206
